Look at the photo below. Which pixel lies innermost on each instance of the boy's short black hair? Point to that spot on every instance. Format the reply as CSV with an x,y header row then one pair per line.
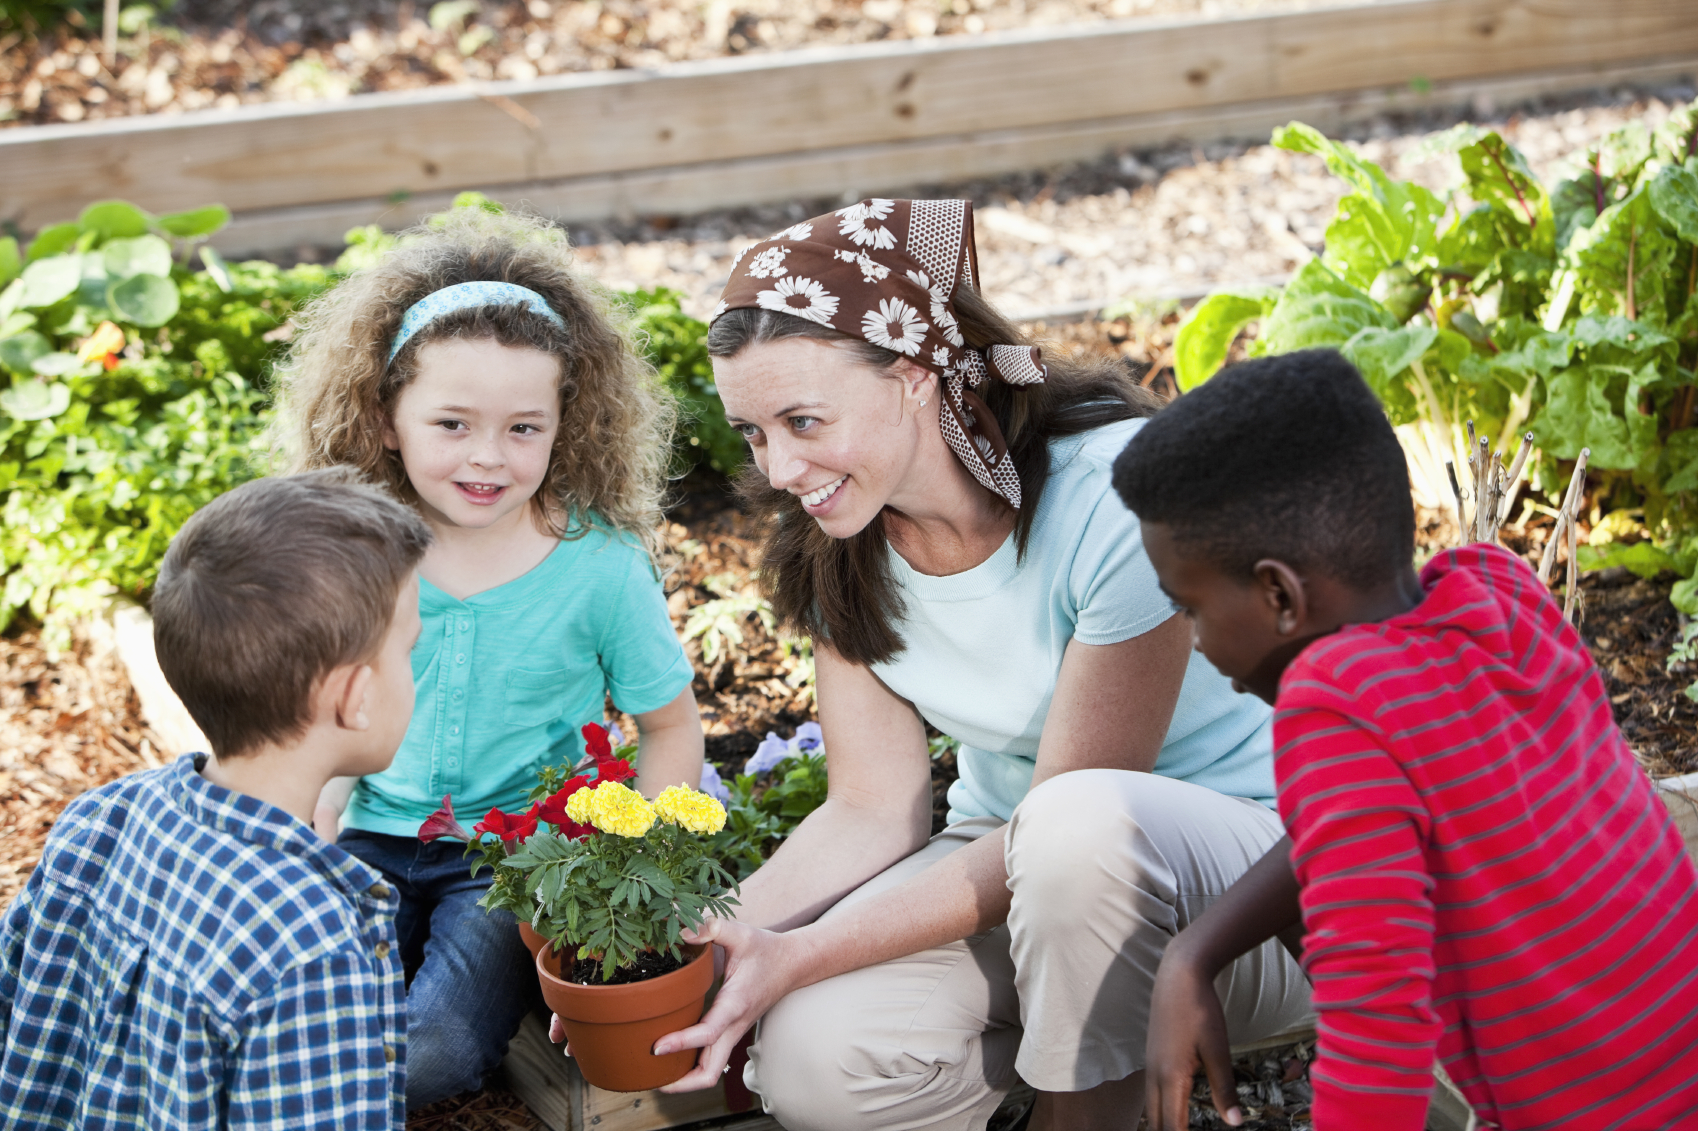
x,y
266,589
1287,457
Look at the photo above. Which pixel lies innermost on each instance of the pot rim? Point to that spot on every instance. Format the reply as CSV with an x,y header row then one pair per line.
x,y
649,998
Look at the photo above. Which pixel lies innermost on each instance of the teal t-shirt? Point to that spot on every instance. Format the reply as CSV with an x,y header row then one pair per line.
x,y
506,678
984,646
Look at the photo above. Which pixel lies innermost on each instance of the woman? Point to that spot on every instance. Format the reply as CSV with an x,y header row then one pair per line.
x,y
942,524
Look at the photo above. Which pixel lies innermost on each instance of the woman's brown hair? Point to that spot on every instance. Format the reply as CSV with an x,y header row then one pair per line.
x,y
841,589
337,387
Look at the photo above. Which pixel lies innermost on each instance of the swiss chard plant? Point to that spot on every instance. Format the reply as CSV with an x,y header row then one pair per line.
x,y
1568,310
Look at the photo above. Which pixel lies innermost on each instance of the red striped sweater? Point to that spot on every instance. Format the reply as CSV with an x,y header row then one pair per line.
x,y
1486,873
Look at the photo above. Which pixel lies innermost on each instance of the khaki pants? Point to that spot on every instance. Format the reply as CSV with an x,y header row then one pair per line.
x,y
1105,867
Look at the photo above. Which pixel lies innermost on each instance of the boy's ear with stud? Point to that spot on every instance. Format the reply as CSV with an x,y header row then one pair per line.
x,y
1283,593
342,696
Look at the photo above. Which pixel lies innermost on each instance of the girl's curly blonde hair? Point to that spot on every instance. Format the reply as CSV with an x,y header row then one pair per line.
x,y
336,388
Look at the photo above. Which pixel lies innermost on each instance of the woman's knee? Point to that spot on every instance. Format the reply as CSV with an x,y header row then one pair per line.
x,y
1070,838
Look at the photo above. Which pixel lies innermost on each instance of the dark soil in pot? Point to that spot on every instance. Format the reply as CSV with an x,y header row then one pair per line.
x,y
651,964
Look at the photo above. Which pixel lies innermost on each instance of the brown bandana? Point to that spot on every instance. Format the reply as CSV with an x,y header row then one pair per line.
x,y
887,271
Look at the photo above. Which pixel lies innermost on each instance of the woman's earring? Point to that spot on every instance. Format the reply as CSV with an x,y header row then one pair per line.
x,y
922,402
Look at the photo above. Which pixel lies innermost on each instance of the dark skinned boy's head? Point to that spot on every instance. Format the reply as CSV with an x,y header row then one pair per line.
x,y
1275,508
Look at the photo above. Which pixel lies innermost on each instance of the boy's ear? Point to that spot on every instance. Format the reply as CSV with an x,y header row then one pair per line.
x,y
1283,592
346,689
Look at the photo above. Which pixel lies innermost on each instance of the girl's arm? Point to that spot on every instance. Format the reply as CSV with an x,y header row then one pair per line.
x,y
1111,709
332,800
669,745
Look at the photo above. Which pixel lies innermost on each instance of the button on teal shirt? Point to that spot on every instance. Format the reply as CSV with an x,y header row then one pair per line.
x,y
506,678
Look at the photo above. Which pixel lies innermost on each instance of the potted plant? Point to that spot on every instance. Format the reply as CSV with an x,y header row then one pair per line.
x,y
607,881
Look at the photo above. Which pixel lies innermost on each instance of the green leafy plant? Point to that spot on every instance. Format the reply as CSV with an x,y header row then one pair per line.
x,y
677,344
718,623
1566,310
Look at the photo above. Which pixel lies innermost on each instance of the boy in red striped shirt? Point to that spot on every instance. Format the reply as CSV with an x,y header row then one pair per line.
x,y
1483,872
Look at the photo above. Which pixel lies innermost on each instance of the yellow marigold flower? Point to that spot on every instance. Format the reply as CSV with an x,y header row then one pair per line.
x,y
615,809
578,806
690,809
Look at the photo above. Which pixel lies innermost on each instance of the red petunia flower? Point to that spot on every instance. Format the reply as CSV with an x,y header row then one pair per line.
x,y
613,769
510,827
553,809
596,744
442,824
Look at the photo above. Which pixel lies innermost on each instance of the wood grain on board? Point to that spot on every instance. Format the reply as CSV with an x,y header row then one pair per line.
x,y
443,139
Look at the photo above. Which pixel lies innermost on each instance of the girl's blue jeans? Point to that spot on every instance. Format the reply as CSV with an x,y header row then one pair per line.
x,y
470,978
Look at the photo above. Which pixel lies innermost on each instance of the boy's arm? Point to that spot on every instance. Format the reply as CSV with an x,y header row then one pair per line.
x,y
1187,1026
332,801
1358,831
670,745
315,1052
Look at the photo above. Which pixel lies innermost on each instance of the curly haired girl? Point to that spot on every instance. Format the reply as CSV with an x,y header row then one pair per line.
x,y
472,373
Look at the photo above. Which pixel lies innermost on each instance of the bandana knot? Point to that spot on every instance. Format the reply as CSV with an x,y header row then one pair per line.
x,y
887,271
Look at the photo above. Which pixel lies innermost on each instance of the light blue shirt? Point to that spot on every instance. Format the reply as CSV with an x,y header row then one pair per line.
x,y
506,678
984,646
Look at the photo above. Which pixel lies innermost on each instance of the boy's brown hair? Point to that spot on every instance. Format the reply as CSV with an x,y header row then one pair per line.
x,y
271,586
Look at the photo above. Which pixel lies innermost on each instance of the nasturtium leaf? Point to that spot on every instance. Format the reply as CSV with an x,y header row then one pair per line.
x,y
55,364
52,240
144,300
1674,194
35,400
11,261
20,350
216,268
144,255
15,324
196,221
46,281
10,295
113,220
1200,346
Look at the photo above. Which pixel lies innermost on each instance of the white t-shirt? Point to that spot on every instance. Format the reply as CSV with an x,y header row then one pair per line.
x,y
984,646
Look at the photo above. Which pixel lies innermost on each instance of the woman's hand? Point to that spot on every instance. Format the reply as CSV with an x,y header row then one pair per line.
x,y
760,968
1187,1032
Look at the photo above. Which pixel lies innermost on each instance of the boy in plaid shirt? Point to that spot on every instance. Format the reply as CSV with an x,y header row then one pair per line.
x,y
189,953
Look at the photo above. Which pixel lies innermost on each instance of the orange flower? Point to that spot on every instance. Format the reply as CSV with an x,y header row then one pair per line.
x,y
103,345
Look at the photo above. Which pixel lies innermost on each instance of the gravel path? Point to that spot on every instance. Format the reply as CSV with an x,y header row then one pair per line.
x,y
229,52
1171,222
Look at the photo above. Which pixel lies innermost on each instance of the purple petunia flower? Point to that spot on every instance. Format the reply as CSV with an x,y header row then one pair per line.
x,y
615,735
712,785
808,737
768,754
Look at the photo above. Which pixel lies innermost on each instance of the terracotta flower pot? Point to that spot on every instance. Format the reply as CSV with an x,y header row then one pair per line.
x,y
533,941
613,1028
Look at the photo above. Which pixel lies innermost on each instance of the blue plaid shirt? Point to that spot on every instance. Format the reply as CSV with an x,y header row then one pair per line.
x,y
189,957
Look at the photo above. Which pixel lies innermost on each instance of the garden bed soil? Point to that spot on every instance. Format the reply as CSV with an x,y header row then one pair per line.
x,y
224,53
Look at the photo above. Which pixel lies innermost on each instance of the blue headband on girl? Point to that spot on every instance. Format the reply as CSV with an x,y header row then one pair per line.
x,y
460,296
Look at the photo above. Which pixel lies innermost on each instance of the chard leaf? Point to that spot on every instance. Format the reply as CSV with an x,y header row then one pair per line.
x,y
1581,411
1641,558
1574,205
1594,330
11,262
1680,452
1628,235
1383,222
1676,140
1200,346
1384,356
1674,194
1497,174
1317,308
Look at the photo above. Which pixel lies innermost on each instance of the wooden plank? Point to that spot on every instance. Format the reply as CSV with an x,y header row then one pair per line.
x,y
540,1073
857,171
1681,795
584,125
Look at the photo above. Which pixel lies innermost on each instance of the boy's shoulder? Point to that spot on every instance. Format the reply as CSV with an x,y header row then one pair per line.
x,y
1484,611
229,895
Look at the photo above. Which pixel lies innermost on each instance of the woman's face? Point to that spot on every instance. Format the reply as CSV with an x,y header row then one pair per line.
x,y
828,428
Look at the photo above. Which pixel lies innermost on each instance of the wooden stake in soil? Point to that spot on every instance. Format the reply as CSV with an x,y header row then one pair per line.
x,y
1567,520
109,34
1516,467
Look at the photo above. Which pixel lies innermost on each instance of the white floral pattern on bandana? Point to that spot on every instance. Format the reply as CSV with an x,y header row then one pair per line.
x,y
816,303
796,232
769,264
857,223
941,316
871,272
896,326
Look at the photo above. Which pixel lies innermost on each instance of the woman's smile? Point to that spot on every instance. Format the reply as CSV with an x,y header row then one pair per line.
x,y
818,501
